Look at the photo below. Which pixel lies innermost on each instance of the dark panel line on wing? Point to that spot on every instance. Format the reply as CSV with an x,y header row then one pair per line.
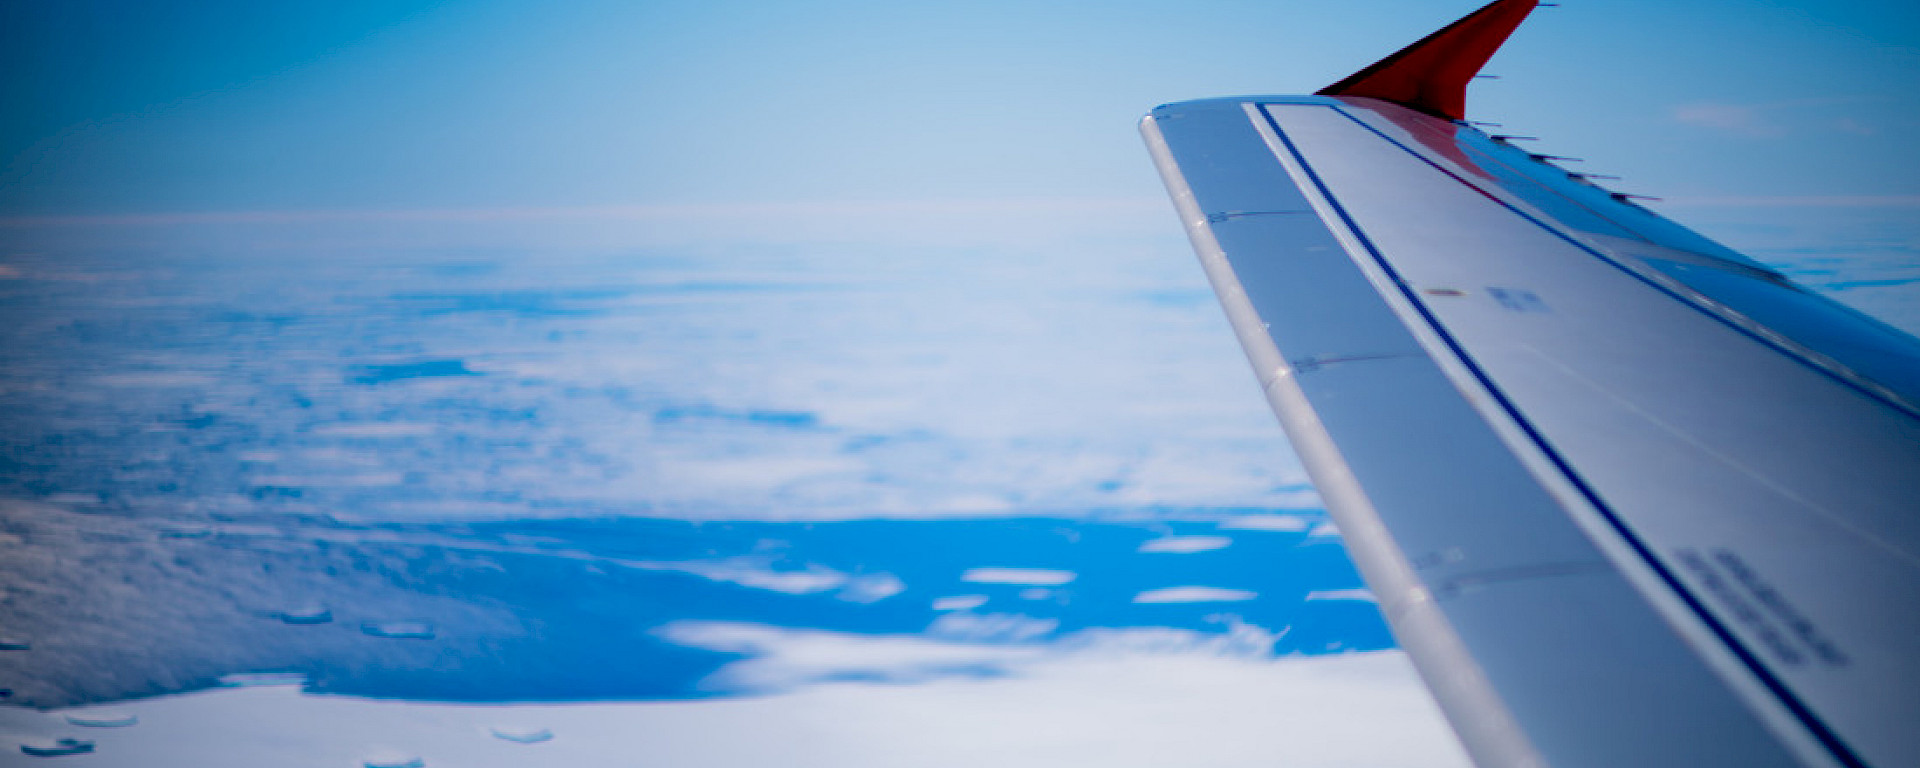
x,y
1311,364
1216,218
1813,723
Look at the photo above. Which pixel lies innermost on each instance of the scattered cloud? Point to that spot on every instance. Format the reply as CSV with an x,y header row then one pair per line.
x,y
756,574
1194,595
871,588
991,628
959,602
1739,119
1855,127
958,644
1775,119
375,429
783,659
1038,577
1279,523
1185,545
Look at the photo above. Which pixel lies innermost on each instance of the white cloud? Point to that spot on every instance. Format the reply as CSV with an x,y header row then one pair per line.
x,y
963,644
1740,119
959,602
1280,523
1039,577
1194,595
1184,545
871,588
1855,127
991,628
757,572
1778,118
783,659
375,429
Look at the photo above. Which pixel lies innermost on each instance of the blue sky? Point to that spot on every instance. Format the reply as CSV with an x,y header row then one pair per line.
x,y
381,106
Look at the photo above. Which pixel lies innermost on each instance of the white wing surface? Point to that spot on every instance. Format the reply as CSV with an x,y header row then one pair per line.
x,y
1628,497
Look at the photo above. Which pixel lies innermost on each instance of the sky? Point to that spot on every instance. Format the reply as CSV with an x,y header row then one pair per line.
x,y
224,107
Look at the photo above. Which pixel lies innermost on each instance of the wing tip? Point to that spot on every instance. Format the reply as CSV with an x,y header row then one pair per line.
x,y
1431,75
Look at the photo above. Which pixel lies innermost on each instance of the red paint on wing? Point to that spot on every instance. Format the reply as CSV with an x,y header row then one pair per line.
x,y
1431,75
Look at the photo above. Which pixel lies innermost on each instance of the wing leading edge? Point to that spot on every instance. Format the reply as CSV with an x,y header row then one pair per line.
x,y
1627,497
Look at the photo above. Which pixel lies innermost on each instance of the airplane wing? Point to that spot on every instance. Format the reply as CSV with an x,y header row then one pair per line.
x,y
1628,498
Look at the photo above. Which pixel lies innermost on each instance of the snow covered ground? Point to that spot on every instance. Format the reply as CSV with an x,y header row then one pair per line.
x,y
834,485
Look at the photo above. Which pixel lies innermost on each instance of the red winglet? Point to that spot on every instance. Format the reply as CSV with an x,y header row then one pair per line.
x,y
1431,75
